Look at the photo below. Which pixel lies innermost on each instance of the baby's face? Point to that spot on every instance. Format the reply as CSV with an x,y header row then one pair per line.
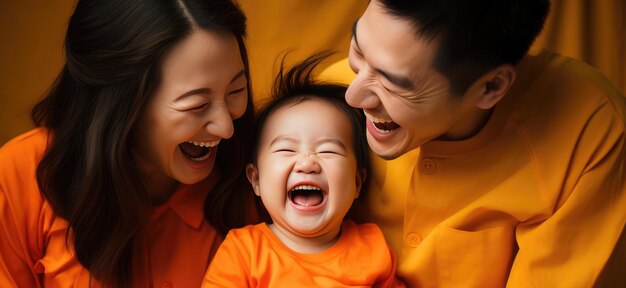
x,y
307,173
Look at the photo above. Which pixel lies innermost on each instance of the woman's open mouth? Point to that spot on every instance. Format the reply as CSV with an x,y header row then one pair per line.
x,y
307,197
197,150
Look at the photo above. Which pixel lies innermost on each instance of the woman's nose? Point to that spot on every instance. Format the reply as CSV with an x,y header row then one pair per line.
x,y
307,164
220,122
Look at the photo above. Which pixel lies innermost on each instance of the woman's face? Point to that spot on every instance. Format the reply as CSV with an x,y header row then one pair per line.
x,y
203,88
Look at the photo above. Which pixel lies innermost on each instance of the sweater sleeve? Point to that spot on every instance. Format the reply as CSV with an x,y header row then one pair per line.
x,y
571,247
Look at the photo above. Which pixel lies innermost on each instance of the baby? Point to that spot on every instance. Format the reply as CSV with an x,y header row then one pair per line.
x,y
309,165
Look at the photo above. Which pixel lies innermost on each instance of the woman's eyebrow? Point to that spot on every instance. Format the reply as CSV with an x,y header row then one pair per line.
x,y
240,74
194,92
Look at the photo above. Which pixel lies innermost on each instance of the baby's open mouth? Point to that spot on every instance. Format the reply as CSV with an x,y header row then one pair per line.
x,y
306,195
197,151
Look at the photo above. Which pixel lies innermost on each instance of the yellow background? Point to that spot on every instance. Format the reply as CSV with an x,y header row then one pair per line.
x,y
32,32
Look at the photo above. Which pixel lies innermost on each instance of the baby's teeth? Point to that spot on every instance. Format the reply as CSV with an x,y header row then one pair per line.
x,y
305,187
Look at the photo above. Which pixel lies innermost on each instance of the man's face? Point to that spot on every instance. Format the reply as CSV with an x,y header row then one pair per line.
x,y
406,101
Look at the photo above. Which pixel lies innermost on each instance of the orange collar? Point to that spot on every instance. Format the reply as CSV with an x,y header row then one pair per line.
x,y
187,202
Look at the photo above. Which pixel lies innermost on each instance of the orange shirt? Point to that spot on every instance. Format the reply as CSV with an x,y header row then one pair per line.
x,y
174,251
254,257
536,199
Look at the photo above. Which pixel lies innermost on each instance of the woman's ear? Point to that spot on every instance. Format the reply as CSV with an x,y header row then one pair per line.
x,y
495,84
361,175
253,177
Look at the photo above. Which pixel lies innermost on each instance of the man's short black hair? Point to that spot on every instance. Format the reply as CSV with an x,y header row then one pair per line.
x,y
474,36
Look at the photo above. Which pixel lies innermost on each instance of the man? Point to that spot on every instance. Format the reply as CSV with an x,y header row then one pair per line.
x,y
519,179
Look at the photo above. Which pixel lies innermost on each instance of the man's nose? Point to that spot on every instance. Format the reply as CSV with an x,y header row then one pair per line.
x,y
359,93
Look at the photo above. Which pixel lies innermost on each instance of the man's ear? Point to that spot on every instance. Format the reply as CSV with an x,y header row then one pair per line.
x,y
494,85
361,175
253,177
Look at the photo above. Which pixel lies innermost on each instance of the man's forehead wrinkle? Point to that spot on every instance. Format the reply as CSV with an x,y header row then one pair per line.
x,y
392,49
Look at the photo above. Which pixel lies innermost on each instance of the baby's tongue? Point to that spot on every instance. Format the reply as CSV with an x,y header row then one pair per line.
x,y
308,198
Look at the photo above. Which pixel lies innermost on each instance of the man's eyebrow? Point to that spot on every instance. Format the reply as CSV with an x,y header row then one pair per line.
x,y
400,81
354,32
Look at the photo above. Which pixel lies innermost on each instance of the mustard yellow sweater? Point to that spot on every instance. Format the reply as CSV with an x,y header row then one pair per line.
x,y
536,199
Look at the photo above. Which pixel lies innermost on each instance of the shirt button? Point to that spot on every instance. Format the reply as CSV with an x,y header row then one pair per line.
x,y
429,166
167,285
413,240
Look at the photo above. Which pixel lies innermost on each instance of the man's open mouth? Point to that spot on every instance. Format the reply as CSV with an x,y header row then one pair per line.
x,y
307,195
197,150
382,125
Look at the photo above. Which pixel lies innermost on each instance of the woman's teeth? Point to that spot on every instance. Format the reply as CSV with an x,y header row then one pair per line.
x,y
205,144
198,150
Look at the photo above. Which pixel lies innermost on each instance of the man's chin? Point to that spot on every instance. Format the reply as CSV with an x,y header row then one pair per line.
x,y
390,157
386,153
392,150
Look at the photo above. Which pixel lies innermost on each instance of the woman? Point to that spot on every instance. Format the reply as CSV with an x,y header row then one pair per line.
x,y
109,190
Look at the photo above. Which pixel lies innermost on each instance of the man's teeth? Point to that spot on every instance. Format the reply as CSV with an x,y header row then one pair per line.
x,y
205,144
378,119
305,187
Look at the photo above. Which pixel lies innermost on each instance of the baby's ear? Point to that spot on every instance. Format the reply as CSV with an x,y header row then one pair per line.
x,y
361,175
253,177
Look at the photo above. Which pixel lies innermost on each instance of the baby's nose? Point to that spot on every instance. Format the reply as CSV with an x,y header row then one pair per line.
x,y
307,164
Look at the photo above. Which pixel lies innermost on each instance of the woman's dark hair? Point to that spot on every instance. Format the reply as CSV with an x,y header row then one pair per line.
x,y
296,86
475,36
114,51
